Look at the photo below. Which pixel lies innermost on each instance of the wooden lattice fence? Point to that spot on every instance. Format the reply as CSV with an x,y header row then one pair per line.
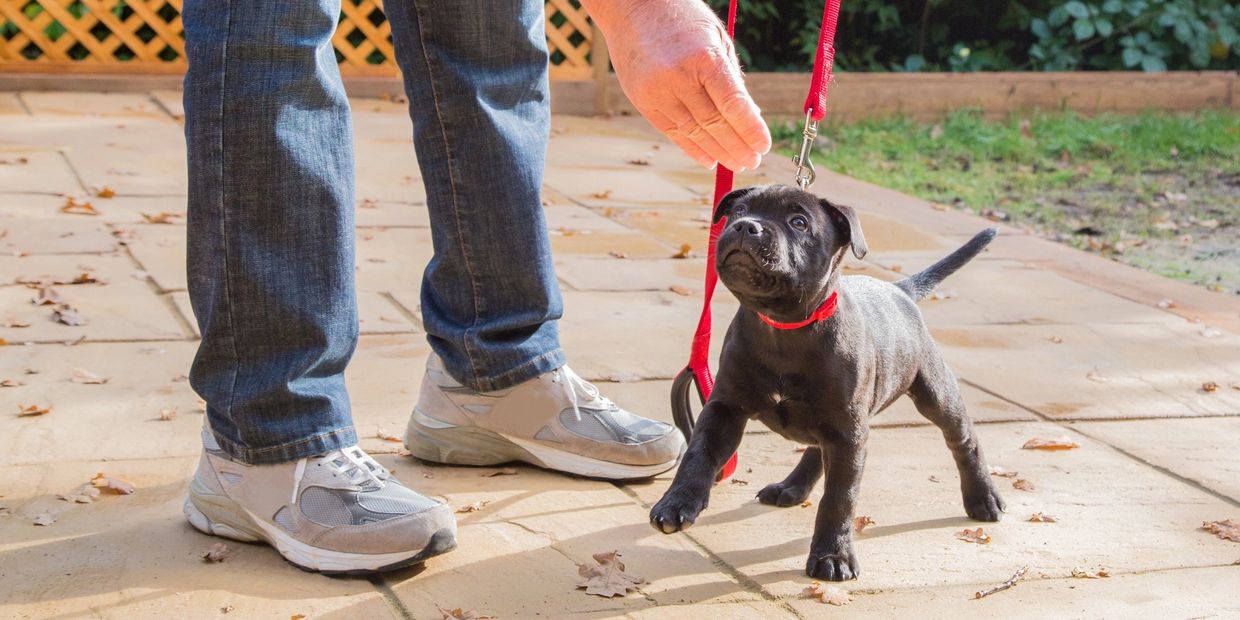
x,y
146,36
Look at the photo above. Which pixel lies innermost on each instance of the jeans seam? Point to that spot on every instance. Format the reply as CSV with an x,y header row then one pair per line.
x,y
223,211
456,216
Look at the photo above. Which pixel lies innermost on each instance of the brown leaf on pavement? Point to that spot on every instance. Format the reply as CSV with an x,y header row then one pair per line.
x,y
1096,377
807,503
28,411
47,297
461,614
167,415
84,494
828,594
506,471
474,507
615,254
1050,444
607,578
386,436
118,486
974,536
637,161
995,470
44,518
1209,386
163,217
9,383
78,208
216,553
603,195
1021,484
1082,573
740,482
227,609
64,313
104,191
1225,529
15,324
686,251
87,377
861,522
680,290
1042,517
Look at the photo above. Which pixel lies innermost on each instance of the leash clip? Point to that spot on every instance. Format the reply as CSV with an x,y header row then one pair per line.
x,y
805,168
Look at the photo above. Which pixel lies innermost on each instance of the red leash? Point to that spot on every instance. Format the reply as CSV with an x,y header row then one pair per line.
x,y
698,370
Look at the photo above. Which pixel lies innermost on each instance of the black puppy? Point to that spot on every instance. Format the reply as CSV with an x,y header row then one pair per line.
x,y
814,356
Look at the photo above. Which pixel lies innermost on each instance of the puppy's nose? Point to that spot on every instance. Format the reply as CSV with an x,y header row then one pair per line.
x,y
749,227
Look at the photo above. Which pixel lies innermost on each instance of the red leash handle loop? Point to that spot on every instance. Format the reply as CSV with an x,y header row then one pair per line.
x,y
824,59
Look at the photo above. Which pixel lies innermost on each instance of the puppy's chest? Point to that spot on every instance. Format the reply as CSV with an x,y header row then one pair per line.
x,y
790,411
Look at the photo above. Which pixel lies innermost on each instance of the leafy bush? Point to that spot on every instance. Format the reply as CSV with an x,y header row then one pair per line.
x,y
955,35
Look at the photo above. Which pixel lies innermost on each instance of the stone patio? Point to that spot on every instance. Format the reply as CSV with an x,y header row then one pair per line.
x,y
1047,341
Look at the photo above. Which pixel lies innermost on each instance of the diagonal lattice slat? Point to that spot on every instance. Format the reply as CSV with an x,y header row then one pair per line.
x,y
147,36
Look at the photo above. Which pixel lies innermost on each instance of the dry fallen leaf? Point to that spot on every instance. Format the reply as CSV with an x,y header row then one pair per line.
x,y
933,478
15,324
1001,472
1021,484
1042,517
974,536
474,507
1055,443
603,195
637,161
506,471
226,609
78,208
1056,340
1166,303
297,617
680,290
827,594
1081,573
84,494
1225,529
861,522
1209,386
47,297
615,254
64,313
44,518
163,217
386,436
119,486
27,411
216,553
461,614
166,415
607,578
9,383
104,191
807,503
686,251
1094,376
87,377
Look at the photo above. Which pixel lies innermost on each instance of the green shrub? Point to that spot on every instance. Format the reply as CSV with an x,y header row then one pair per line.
x,y
954,35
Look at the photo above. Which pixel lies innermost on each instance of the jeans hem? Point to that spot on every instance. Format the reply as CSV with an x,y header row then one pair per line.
x,y
543,363
290,451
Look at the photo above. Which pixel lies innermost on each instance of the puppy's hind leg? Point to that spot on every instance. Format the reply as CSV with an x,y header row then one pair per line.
x,y
797,486
937,396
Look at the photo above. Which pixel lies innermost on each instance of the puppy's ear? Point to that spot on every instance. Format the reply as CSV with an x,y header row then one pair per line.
x,y
727,202
846,221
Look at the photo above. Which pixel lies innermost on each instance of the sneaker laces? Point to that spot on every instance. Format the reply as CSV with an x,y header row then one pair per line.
x,y
573,382
354,464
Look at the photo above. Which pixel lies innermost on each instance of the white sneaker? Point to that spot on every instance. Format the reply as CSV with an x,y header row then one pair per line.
x,y
340,513
556,420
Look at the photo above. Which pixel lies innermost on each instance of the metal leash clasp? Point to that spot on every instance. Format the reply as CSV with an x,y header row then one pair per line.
x,y
805,168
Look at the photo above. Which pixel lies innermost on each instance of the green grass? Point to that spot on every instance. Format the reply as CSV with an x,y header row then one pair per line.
x,y
1153,177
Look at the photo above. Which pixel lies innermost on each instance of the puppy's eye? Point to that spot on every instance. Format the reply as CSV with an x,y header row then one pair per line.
x,y
739,210
799,222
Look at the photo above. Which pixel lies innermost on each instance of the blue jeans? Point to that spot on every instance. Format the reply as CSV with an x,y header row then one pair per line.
x,y
271,208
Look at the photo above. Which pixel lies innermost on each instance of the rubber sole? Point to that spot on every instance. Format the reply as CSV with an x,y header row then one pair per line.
x,y
433,440
219,516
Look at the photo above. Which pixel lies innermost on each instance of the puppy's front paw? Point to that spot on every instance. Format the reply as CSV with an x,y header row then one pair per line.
x,y
783,495
984,504
676,511
840,566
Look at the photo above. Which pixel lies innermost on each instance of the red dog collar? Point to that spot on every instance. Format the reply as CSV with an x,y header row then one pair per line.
x,y
823,313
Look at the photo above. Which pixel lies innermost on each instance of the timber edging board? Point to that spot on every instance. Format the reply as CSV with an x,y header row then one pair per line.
x,y
853,95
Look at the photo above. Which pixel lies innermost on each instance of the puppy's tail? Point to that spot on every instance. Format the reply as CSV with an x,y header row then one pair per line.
x,y
921,284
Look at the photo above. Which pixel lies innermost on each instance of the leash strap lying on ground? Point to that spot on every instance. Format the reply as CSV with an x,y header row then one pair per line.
x,y
698,370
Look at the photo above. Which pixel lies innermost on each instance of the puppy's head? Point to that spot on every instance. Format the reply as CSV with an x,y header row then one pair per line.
x,y
782,247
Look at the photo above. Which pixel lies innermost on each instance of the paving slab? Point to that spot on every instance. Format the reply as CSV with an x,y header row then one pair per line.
x,y
387,169
35,170
631,274
521,548
378,213
26,230
10,104
135,556
1186,593
1112,512
127,105
393,259
122,309
1202,450
627,187
1098,370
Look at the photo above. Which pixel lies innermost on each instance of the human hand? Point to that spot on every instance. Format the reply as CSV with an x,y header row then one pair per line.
x,y
678,67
